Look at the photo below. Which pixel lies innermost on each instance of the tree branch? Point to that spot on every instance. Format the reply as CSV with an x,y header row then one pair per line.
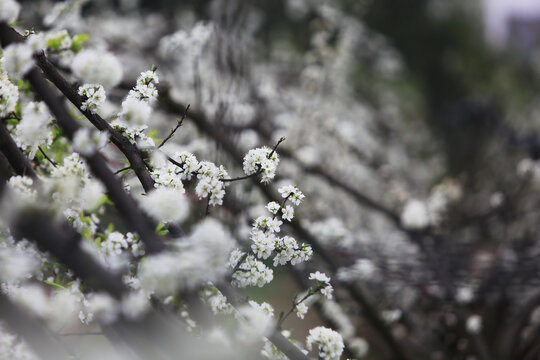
x,y
14,155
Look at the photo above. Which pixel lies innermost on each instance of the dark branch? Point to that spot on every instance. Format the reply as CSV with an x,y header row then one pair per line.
x,y
14,155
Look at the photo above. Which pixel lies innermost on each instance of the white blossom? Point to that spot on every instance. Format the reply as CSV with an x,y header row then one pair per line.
x,y
329,342
17,60
94,95
9,11
103,307
166,176
189,164
287,213
135,112
34,129
261,159
219,305
145,89
301,310
13,347
210,184
252,271
273,207
135,304
267,223
166,204
87,141
254,321
415,215
327,291
197,259
359,346
97,67
319,277
9,95
16,265
36,42
263,244
474,324
292,193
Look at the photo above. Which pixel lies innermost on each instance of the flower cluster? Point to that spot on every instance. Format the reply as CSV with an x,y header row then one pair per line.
x,y
210,183
292,193
18,60
166,204
210,176
323,282
166,175
97,67
183,42
94,97
34,128
217,302
418,214
287,212
263,160
135,112
9,10
146,86
189,164
287,250
58,40
330,343
87,141
71,186
195,260
254,320
134,117
251,271
9,95
116,243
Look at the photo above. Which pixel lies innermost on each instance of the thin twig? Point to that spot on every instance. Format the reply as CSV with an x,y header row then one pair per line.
x,y
296,303
178,124
82,333
281,139
46,157
123,169
242,177
207,211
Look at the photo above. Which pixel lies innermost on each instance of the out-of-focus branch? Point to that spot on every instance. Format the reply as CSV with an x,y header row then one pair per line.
x,y
15,157
31,330
63,242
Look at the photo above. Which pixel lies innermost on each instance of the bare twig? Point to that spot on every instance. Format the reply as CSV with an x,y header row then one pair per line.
x,y
46,157
178,124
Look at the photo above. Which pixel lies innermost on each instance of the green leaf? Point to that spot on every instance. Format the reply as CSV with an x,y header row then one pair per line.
x,y
58,286
163,232
24,86
160,229
152,134
78,41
